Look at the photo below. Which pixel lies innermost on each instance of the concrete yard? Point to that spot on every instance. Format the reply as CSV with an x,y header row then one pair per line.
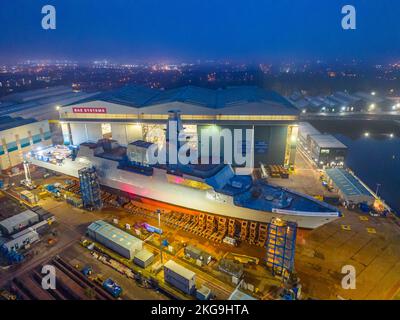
x,y
305,179
370,244
322,253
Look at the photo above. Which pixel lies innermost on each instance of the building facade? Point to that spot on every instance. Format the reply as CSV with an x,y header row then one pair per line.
x,y
137,113
323,149
18,136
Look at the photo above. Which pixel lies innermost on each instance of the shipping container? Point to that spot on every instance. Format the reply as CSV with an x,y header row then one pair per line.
x,y
179,277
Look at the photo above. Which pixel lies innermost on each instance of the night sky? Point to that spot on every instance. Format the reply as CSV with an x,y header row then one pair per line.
x,y
176,30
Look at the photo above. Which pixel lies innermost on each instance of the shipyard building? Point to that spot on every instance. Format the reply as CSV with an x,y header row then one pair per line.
x,y
115,239
324,149
41,104
18,136
134,113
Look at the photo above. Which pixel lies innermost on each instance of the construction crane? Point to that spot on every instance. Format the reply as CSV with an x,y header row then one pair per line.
x,y
27,182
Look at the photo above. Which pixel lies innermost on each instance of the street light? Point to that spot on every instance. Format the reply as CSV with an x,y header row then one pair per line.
x,y
159,226
366,134
378,185
58,108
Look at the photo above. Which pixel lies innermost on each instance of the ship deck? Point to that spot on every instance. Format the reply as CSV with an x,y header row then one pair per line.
x,y
266,198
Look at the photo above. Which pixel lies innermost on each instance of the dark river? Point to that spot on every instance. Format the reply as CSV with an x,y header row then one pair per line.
x,y
374,158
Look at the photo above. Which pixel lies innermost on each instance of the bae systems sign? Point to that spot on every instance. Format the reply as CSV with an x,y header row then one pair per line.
x,y
89,110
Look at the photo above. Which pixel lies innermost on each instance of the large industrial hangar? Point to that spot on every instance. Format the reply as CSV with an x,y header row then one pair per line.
x,y
133,113
18,136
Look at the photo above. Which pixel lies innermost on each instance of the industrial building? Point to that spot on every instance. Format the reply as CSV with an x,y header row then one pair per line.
x,y
143,258
24,239
41,104
179,277
340,102
18,222
324,149
114,238
349,186
135,113
18,136
197,254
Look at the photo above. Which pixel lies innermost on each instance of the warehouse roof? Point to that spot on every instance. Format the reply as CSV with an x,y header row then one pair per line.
x,y
42,99
327,141
16,220
140,97
347,183
31,234
177,268
36,94
306,129
144,255
114,234
7,122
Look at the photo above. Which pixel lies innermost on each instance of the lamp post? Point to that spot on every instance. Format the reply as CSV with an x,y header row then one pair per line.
x,y
378,185
159,226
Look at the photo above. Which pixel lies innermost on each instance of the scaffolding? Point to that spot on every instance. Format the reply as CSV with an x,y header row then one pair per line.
x,y
281,245
90,188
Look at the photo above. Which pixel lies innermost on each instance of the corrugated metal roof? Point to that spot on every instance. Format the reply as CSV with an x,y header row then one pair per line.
x,y
327,141
22,217
36,94
114,234
177,268
140,97
306,129
347,182
144,255
9,122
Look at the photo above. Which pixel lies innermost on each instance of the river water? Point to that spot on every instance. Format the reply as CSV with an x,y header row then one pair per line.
x,y
375,158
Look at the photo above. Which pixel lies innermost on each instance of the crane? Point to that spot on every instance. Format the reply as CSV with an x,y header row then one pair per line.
x,y
27,182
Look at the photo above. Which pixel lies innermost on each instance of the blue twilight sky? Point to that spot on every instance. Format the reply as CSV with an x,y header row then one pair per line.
x,y
245,30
